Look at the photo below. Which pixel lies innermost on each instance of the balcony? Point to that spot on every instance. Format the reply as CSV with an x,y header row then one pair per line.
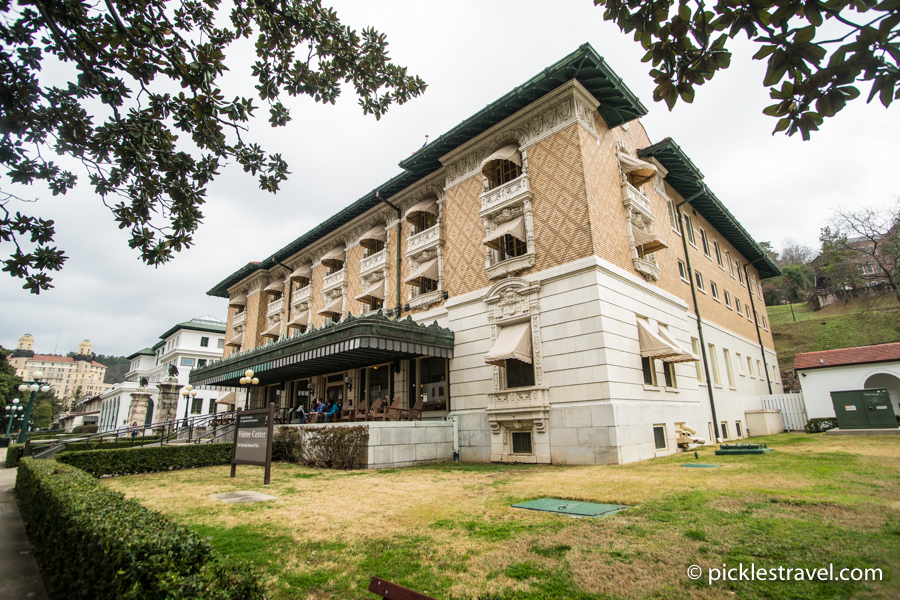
x,y
633,197
301,295
373,263
423,240
239,319
508,193
647,268
334,280
519,404
275,307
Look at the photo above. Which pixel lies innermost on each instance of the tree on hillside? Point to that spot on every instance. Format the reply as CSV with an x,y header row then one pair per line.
x,y
816,51
149,150
795,253
862,242
42,415
116,367
798,282
9,383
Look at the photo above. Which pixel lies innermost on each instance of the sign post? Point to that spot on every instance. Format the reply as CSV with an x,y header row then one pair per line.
x,y
253,439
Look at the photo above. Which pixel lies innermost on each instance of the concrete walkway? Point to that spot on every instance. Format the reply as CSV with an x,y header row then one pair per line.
x,y
20,577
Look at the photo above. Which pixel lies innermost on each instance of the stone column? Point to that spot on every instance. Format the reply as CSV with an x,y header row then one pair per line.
x,y
140,402
168,399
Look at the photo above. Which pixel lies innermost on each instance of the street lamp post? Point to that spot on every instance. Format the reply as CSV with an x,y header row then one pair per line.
x,y
188,392
12,411
249,380
35,385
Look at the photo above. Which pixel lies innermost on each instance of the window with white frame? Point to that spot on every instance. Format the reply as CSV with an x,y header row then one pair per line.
x,y
699,279
682,271
718,253
705,242
737,306
728,368
689,229
714,289
695,346
730,264
740,365
659,437
727,299
714,364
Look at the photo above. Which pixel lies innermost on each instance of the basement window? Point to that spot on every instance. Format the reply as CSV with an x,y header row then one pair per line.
x,y
659,437
521,442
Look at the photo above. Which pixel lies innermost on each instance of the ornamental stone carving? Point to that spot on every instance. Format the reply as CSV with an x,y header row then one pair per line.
x,y
514,300
569,103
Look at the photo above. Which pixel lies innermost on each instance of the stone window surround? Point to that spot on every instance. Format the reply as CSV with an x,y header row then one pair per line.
x,y
432,246
511,301
639,216
501,204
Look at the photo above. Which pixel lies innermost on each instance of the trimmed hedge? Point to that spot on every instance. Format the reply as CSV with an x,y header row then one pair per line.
x,y
820,425
128,461
96,545
12,455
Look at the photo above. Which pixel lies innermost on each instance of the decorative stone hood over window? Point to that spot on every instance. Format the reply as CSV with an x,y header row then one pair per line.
x,y
514,342
239,301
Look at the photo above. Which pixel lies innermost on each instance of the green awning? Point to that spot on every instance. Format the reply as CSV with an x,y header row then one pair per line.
x,y
349,344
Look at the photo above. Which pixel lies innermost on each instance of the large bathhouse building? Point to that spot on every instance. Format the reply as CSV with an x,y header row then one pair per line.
x,y
566,290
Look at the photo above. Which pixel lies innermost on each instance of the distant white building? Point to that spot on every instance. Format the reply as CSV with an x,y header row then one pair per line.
x,y
185,346
863,367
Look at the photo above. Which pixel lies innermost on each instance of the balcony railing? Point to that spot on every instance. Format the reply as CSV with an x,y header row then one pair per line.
x,y
275,307
519,399
423,240
301,295
373,262
334,280
631,195
646,267
510,190
239,319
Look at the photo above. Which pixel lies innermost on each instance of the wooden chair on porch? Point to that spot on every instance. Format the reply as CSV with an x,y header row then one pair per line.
x,y
360,413
347,413
393,413
415,413
375,409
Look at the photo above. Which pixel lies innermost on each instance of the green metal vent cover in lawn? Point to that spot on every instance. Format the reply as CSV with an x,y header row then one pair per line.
x,y
571,507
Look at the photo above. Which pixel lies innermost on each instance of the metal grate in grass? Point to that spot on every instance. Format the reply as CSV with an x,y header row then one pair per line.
x,y
571,507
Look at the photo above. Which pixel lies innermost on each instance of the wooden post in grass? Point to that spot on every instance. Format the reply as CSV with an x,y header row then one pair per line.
x,y
253,439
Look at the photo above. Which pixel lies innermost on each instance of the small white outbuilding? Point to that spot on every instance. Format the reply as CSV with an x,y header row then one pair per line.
x,y
863,367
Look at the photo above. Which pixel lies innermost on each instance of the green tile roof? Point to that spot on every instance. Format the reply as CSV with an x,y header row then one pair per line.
x,y
617,105
144,352
686,179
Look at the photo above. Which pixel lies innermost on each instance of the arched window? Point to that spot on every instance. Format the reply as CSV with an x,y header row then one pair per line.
x,y
502,166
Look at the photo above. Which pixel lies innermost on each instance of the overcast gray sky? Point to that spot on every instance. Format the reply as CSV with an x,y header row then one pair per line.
x,y
470,54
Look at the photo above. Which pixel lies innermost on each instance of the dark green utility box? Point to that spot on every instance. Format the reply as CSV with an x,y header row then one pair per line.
x,y
864,409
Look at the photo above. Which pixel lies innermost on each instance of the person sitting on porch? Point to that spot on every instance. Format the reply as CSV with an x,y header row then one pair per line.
x,y
334,412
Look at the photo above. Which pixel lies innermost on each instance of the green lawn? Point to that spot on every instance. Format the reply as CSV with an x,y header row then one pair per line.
x,y
448,530
837,331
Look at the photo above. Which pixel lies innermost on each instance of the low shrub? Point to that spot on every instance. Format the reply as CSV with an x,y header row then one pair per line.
x,y
95,544
12,455
84,429
820,425
335,447
127,461
287,445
